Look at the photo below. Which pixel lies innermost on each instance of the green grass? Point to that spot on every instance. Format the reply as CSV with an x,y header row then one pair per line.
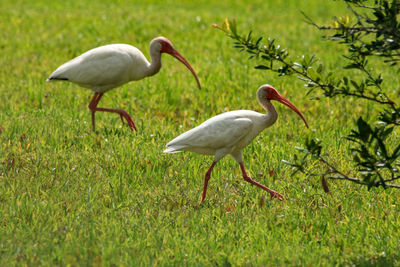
x,y
69,196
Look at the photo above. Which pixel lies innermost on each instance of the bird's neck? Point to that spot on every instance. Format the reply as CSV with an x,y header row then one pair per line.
x,y
155,63
271,115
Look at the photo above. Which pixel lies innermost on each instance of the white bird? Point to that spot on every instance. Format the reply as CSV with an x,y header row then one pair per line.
x,y
106,67
230,132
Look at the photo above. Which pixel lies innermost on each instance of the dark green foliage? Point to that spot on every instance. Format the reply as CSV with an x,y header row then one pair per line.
x,y
373,31
379,22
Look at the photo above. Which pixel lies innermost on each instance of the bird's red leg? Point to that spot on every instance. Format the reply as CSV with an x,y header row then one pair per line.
x,y
123,114
248,179
92,106
208,175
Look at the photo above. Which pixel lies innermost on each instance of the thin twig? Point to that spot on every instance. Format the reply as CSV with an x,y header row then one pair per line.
x,y
358,181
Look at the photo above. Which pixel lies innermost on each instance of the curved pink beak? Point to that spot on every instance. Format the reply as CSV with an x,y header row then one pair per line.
x,y
286,102
178,56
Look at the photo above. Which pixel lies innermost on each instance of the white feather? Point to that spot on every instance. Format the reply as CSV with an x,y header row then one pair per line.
x,y
104,68
230,131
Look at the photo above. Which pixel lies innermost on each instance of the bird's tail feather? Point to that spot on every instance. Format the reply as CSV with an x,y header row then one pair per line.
x,y
56,79
173,149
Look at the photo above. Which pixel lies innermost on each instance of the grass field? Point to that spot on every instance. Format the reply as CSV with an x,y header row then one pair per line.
x,y
69,196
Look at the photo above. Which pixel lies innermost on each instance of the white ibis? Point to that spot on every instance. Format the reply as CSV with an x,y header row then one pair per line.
x,y
107,67
230,132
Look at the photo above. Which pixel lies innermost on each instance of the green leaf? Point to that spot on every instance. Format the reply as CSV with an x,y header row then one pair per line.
x,y
261,67
314,146
364,130
354,83
345,80
249,36
232,27
382,147
386,132
320,68
351,66
396,152
289,163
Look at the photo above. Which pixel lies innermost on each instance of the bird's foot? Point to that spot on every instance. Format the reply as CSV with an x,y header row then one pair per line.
x,y
274,194
122,113
128,118
132,125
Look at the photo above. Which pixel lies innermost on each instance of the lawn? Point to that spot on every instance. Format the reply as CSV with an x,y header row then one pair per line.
x,y
71,196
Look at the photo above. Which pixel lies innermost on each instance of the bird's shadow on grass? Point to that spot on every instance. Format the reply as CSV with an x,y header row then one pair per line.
x,y
115,131
391,260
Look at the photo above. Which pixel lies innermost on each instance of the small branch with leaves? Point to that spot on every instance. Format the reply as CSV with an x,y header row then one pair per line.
x,y
308,68
374,30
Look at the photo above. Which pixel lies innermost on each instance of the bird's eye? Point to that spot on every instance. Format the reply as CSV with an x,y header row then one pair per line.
x,y
271,91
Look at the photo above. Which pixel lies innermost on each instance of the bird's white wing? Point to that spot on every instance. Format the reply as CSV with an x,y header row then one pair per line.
x,y
221,131
109,65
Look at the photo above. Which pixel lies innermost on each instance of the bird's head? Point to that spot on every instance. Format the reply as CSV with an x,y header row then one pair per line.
x,y
163,45
269,93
